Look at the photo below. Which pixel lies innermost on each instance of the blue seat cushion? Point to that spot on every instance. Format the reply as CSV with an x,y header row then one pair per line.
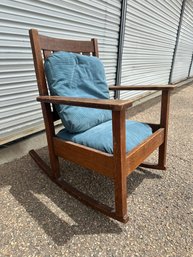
x,y
100,137
76,75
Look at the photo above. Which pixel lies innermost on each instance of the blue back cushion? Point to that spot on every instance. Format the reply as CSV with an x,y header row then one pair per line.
x,y
75,75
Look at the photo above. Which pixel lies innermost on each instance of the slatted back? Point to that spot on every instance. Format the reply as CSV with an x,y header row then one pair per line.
x,y
43,47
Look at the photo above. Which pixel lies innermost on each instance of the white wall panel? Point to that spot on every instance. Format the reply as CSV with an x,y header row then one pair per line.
x,y
150,34
71,19
149,42
191,69
184,51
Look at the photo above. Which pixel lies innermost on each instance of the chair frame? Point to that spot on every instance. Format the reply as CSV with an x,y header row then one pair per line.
x,y
116,166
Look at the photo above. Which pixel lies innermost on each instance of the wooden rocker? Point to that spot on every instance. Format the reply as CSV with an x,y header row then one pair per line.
x,y
96,134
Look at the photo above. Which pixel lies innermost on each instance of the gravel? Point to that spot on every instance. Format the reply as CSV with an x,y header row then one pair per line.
x,y
38,219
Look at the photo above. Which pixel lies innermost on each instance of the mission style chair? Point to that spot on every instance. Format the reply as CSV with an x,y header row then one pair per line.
x,y
77,60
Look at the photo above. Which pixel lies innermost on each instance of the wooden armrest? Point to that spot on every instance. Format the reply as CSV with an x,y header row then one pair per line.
x,y
115,105
151,87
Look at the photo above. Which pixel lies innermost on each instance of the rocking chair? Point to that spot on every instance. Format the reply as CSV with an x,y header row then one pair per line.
x,y
103,140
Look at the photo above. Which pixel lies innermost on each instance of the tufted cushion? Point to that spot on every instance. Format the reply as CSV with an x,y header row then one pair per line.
x,y
75,75
100,137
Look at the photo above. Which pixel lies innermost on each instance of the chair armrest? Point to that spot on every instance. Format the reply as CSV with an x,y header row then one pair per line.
x,y
115,105
151,87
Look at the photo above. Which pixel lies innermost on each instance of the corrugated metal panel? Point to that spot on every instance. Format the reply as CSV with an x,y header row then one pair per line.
x,y
184,51
191,68
71,19
150,34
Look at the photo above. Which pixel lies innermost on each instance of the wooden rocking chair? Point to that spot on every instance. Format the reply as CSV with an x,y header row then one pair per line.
x,y
117,165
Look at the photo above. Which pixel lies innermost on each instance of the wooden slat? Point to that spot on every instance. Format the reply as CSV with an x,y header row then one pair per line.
x,y
56,44
116,166
141,152
38,62
46,53
85,156
87,102
146,87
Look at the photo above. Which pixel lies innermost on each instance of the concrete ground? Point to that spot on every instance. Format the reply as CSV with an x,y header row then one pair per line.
x,y
38,219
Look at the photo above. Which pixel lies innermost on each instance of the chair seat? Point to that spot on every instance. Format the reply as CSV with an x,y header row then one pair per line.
x,y
100,136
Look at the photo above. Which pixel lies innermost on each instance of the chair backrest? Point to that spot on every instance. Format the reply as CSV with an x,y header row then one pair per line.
x,y
43,46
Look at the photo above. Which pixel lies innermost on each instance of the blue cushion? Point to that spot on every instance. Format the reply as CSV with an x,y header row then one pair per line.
x,y
75,75
100,137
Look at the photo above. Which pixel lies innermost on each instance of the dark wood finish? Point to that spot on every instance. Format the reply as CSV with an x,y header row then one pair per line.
x,y
57,44
85,156
38,62
87,102
150,87
164,120
95,45
46,53
142,151
116,166
90,202
119,150
46,108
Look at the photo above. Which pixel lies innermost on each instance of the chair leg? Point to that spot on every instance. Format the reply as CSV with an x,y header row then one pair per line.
x,y
165,102
162,155
119,152
54,163
121,199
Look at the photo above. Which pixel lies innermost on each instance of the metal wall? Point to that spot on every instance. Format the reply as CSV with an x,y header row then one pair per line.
x,y
20,114
191,69
150,35
184,49
149,40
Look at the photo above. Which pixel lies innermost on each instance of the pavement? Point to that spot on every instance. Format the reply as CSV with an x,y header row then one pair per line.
x,y
38,219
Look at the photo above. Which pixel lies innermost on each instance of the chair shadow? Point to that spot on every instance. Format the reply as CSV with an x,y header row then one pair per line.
x,y
29,185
